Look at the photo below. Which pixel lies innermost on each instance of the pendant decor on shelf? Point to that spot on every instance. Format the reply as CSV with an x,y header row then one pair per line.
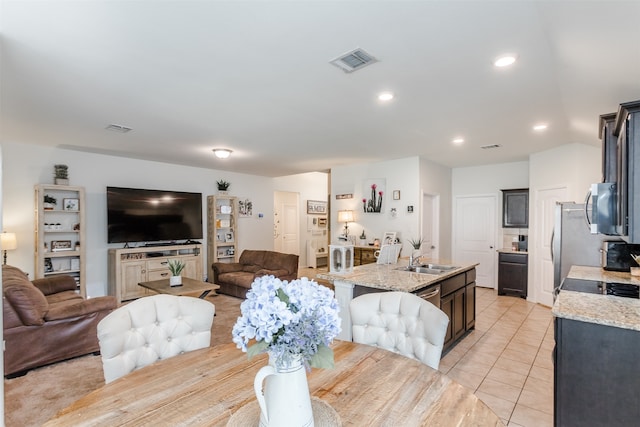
x,y
373,193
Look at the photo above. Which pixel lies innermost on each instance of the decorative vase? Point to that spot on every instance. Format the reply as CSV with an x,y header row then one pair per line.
x,y
285,401
175,281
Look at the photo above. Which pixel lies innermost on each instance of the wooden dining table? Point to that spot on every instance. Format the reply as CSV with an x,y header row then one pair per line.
x,y
368,387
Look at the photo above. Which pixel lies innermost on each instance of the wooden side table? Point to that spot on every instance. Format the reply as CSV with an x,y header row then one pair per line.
x,y
364,255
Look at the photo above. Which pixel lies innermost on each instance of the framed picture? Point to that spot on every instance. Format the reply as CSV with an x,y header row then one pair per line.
x,y
60,245
245,208
396,194
228,237
389,238
316,207
373,194
70,204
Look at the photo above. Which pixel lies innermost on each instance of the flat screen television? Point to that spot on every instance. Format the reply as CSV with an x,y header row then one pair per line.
x,y
139,215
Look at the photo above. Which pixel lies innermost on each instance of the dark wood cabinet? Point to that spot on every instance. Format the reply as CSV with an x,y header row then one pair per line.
x,y
596,373
515,208
458,302
513,271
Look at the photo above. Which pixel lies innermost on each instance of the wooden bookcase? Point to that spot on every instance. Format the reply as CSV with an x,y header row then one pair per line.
x,y
60,233
222,231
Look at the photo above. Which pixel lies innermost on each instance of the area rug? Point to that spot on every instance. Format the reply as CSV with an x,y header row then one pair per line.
x,y
36,397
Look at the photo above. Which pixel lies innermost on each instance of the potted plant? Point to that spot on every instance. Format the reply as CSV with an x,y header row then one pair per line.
x,y
416,243
61,174
223,186
49,202
176,266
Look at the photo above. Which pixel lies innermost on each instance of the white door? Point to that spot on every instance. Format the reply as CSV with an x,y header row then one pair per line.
x,y
540,262
286,222
475,235
430,226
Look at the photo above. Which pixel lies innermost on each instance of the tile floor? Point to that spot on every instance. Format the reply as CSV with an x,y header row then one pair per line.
x,y
506,360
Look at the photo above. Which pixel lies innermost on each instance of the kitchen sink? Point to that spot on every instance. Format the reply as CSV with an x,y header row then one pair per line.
x,y
428,268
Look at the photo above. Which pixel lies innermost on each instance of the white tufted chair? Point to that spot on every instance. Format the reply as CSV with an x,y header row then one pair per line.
x,y
400,322
152,328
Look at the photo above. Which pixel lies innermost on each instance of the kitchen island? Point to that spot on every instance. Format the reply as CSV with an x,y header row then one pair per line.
x,y
596,367
456,289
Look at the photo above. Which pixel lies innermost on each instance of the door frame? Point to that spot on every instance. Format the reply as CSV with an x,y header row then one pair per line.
x,y
435,221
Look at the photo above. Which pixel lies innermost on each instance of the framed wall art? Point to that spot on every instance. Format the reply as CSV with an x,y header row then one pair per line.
x,y
373,194
316,207
70,204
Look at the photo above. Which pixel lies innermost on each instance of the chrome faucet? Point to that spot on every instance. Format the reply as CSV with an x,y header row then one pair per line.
x,y
414,260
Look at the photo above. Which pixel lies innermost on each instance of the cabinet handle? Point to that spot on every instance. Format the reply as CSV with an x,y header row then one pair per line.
x,y
164,274
164,262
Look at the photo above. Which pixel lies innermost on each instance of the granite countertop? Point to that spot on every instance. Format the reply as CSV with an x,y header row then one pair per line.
x,y
605,310
388,277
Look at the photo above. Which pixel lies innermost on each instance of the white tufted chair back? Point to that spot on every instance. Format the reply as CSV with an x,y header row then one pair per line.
x,y
152,328
400,322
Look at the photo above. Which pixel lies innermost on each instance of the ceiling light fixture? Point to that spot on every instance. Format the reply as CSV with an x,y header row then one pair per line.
x,y
540,127
385,96
222,153
505,60
458,140
118,128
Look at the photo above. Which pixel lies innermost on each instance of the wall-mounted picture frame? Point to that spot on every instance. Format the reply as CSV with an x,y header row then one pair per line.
x,y
70,204
316,207
245,208
396,194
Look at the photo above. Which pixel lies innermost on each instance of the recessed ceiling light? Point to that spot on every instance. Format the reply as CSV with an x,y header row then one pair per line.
x,y
505,60
222,153
458,140
540,127
118,128
385,96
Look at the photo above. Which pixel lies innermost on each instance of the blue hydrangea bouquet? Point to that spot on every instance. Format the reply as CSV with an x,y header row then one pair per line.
x,y
289,319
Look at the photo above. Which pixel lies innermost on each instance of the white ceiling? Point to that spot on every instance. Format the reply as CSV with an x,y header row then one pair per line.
x,y
254,76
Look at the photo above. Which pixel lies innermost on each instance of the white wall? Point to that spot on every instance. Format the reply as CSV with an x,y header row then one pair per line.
x,y
25,165
410,176
310,186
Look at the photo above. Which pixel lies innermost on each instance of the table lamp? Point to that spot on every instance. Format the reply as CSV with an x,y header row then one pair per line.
x,y
346,217
8,242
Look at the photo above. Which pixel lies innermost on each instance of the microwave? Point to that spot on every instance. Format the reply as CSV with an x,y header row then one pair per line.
x,y
616,255
604,209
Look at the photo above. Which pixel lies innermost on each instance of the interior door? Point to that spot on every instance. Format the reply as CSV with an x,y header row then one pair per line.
x,y
475,235
430,226
545,201
286,222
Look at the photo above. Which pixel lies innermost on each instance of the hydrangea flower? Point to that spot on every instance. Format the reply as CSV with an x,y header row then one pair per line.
x,y
289,319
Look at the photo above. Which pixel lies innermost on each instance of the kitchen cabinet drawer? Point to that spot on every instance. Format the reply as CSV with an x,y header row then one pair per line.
x,y
513,258
452,284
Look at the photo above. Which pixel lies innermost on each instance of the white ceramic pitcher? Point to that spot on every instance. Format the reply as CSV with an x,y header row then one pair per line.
x,y
285,401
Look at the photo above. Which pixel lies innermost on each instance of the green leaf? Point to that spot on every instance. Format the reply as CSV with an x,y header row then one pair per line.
x,y
323,358
257,348
282,296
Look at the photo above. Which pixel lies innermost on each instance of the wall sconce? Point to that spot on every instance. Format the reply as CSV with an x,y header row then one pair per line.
x,y
346,217
222,153
8,242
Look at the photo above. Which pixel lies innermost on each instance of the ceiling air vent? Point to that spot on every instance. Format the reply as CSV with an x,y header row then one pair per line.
x,y
491,146
118,128
353,60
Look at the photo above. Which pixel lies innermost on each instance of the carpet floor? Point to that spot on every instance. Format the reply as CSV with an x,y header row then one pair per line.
x,y
36,397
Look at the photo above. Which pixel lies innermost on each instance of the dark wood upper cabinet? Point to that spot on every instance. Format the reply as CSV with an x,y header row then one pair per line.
x,y
515,208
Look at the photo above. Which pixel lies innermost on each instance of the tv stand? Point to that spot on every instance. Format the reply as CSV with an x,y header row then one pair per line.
x,y
130,266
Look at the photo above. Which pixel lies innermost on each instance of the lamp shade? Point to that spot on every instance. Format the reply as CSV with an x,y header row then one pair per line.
x,y
8,241
345,216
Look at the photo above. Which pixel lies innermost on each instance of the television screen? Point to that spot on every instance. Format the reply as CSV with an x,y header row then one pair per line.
x,y
138,215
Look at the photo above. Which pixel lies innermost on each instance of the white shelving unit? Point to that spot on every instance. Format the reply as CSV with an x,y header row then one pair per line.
x,y
60,233
222,237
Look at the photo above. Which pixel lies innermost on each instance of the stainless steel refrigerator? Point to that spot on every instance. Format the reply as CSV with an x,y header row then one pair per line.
x,y
572,241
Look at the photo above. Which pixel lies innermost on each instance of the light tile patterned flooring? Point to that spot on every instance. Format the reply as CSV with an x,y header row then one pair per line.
x,y
506,360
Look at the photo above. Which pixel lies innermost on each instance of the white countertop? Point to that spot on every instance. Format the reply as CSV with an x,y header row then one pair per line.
x,y
601,309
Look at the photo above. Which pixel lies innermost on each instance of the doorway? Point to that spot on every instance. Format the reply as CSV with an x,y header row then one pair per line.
x,y
475,234
430,226
286,222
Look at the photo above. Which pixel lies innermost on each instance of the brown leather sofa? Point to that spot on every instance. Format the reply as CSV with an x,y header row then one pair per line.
x,y
46,321
236,278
